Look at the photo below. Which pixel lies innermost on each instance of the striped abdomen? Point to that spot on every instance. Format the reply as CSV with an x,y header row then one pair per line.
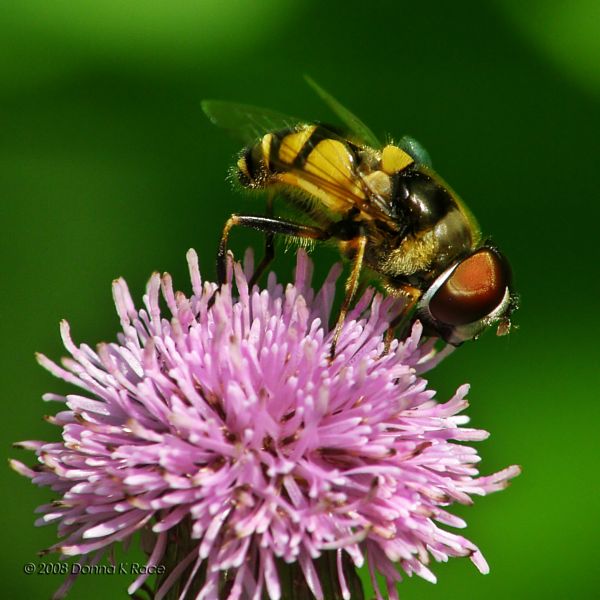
x,y
308,158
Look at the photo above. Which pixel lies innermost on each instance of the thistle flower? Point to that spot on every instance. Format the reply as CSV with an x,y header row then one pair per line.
x,y
231,441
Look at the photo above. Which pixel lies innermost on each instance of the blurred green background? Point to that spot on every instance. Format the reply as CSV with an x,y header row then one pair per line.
x,y
109,168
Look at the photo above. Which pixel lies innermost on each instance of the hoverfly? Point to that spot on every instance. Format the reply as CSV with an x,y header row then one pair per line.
x,y
384,206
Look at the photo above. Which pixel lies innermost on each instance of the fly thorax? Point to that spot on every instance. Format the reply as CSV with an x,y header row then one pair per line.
x,y
418,199
414,254
434,229
454,238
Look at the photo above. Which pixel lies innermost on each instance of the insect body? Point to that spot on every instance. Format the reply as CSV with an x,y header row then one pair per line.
x,y
387,210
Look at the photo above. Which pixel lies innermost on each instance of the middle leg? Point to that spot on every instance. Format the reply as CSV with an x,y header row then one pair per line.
x,y
359,244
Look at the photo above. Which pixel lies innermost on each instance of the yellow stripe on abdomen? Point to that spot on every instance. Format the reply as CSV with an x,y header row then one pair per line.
x,y
292,144
323,168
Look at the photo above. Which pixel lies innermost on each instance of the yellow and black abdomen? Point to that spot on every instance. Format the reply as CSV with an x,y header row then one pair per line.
x,y
309,159
254,168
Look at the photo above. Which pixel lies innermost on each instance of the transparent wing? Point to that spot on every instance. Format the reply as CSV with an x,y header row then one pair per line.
x,y
350,120
245,122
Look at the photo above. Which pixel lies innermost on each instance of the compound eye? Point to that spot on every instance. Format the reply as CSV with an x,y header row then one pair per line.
x,y
474,289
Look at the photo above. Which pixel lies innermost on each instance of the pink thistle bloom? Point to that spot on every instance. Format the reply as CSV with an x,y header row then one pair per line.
x,y
231,425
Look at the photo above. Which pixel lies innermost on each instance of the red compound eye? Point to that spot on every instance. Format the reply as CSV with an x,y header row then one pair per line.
x,y
474,289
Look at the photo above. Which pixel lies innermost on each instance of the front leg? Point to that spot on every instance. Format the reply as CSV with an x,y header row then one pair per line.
x,y
412,295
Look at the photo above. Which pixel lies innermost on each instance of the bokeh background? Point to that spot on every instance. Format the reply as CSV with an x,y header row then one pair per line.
x,y
108,167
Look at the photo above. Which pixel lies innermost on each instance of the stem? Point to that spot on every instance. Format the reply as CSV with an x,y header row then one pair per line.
x,y
179,546
294,586
291,576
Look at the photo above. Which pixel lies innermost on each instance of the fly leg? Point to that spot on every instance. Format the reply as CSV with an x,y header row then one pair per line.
x,y
358,244
403,319
269,254
269,226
